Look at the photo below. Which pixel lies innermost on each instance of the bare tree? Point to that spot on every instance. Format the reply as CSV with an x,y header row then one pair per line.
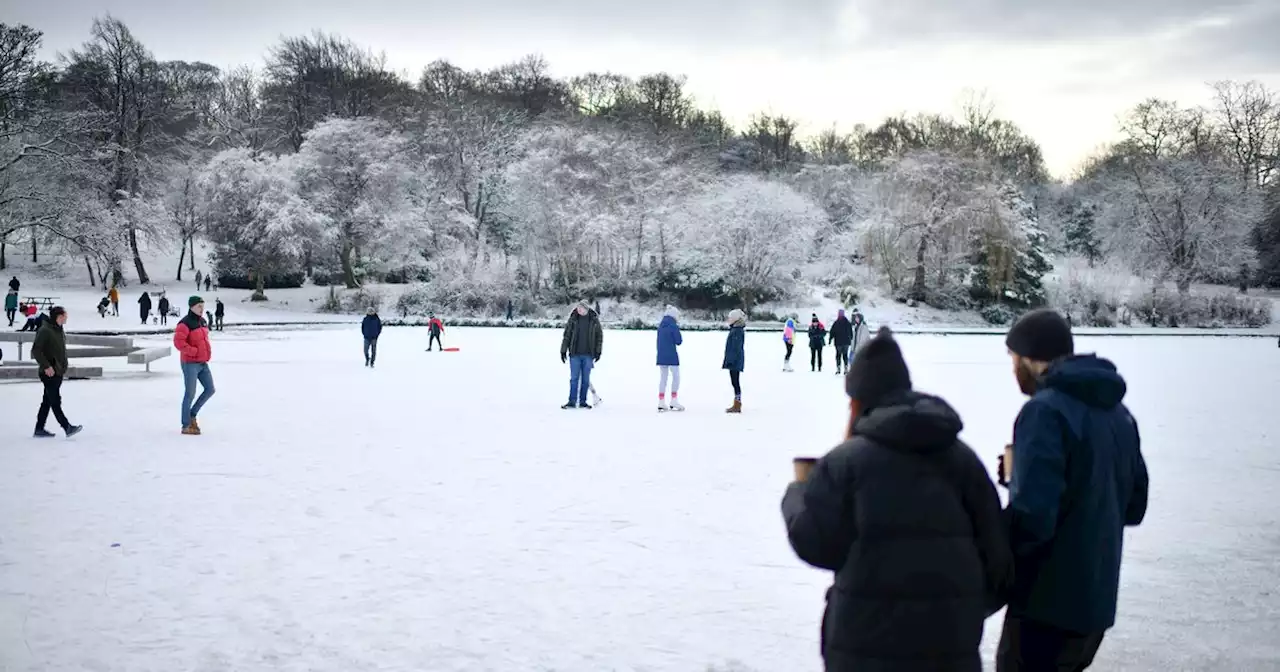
x,y
1249,115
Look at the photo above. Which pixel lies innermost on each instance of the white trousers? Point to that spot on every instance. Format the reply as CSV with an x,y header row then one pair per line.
x,y
674,373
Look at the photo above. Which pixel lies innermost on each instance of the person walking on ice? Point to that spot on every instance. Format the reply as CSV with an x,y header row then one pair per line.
x,y
191,340
371,328
735,357
817,341
581,346
669,339
789,340
49,349
842,338
437,330
218,312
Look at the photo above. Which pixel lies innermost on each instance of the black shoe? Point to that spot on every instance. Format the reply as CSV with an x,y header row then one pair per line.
x,y
43,434
73,430
569,406
585,406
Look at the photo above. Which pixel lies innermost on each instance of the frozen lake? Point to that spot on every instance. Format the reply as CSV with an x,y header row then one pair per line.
x,y
442,513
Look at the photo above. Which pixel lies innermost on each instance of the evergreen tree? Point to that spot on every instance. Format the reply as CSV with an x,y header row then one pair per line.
x,y
1009,254
1080,233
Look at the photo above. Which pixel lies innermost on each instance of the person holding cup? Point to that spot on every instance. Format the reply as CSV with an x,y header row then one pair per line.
x,y
906,516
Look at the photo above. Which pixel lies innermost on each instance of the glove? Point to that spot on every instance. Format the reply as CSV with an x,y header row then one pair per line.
x,y
596,359
1000,472
563,359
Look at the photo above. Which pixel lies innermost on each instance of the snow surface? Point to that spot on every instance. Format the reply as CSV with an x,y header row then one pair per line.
x,y
441,513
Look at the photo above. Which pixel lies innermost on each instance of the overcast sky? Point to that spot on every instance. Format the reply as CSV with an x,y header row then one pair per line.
x,y
1061,69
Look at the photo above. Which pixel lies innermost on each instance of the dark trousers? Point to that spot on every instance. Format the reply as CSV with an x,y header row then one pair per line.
x,y
145,314
842,356
217,322
52,401
790,347
435,338
164,317
735,377
11,314
1027,646
370,350
815,357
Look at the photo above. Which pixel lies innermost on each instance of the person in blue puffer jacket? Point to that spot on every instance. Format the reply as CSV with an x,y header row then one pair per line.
x,y
735,357
669,340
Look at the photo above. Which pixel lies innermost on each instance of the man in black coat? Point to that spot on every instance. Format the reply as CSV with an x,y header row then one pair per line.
x,y
1078,480
906,516
49,349
842,337
581,346
371,329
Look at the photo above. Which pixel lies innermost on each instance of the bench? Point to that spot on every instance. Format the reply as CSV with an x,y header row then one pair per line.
x,y
113,346
148,355
11,372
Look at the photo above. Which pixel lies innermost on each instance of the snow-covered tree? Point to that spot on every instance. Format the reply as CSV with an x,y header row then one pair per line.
x,y
1182,218
750,234
253,215
1009,256
1079,231
354,173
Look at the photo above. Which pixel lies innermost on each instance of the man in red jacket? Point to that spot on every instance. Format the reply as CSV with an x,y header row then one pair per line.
x,y
191,339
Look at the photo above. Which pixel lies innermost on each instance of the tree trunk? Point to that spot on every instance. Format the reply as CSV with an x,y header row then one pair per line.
x,y
348,272
92,279
259,291
192,239
35,257
1184,283
917,284
748,300
137,258
3,245
181,258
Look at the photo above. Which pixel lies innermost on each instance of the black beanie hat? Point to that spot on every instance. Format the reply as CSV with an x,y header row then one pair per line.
x,y
877,371
1041,335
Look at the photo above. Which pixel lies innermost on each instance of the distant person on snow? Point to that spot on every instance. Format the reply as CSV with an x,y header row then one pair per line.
x,y
906,516
14,285
817,340
144,306
669,340
218,311
437,329
861,331
191,340
581,346
164,309
842,338
199,279
1079,479
735,356
50,352
208,281
511,310
103,305
371,329
35,318
789,340
114,295
11,306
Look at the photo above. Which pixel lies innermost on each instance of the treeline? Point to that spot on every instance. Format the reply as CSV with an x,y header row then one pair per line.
x,y
488,185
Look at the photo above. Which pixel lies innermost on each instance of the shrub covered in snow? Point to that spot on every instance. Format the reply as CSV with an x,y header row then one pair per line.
x,y
1165,308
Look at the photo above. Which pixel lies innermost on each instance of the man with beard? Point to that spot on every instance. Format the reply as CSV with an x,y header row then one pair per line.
x,y
1078,480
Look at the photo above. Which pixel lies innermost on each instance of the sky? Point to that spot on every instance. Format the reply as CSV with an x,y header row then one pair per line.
x,y
1063,70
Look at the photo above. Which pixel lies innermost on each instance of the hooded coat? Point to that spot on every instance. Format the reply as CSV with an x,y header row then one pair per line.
x,y
669,339
842,332
906,516
1078,479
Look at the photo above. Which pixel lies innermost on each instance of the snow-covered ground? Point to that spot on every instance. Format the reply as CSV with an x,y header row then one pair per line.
x,y
442,513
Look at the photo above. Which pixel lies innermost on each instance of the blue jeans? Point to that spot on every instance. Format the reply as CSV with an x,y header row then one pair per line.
x,y
191,372
370,350
579,378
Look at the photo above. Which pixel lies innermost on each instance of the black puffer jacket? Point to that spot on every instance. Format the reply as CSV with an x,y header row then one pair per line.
x,y
908,518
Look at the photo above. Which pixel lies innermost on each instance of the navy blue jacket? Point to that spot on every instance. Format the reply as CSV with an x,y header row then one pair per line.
x,y
735,357
371,327
1078,480
668,338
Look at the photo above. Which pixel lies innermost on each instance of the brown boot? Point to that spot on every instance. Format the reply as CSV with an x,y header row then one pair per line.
x,y
735,408
191,429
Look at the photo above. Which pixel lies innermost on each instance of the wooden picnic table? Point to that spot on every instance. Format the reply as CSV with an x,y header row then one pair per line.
x,y
44,302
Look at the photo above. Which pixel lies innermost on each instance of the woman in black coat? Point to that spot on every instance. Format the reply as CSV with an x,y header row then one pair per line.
x,y
906,516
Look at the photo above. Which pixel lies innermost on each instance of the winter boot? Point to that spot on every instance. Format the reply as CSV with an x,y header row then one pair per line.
x,y
585,406
72,430
191,429
735,408
43,434
569,406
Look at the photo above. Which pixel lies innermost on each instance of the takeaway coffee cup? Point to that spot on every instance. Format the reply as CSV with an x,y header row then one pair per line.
x,y
803,467
1006,466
